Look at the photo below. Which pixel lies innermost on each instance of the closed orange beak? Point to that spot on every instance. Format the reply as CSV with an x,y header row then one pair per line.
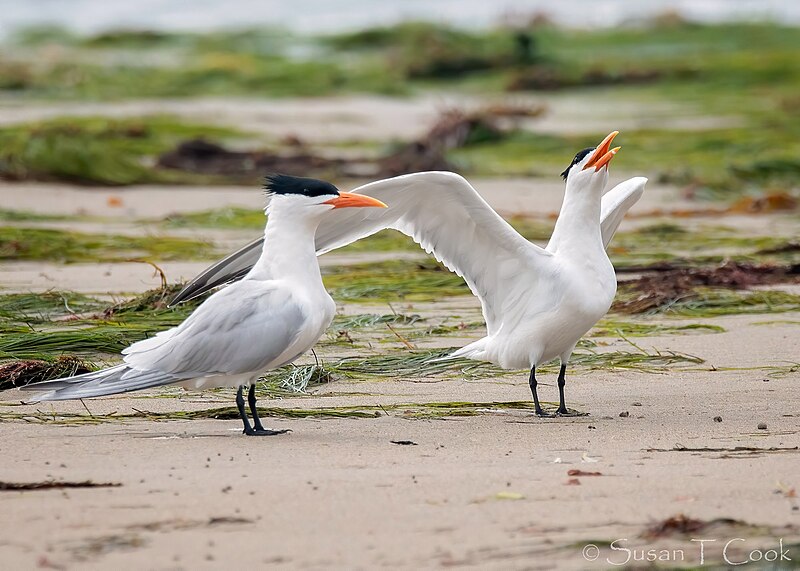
x,y
350,200
603,154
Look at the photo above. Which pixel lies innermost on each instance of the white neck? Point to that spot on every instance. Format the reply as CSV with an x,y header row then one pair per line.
x,y
577,229
289,249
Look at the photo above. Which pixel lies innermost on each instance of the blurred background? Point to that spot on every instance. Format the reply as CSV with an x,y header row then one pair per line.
x,y
705,93
154,122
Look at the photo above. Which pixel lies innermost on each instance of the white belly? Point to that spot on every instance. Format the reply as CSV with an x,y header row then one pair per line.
x,y
553,319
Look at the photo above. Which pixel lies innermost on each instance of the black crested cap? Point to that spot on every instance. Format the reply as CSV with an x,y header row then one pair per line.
x,y
578,158
284,184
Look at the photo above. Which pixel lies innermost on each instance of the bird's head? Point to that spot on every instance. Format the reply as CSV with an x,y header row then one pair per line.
x,y
312,195
590,166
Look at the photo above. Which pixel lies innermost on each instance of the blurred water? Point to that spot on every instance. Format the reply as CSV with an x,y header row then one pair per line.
x,y
90,16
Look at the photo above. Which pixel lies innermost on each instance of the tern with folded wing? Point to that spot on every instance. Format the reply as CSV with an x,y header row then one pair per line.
x,y
273,315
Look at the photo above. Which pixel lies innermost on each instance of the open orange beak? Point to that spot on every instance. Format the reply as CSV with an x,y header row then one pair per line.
x,y
350,200
603,153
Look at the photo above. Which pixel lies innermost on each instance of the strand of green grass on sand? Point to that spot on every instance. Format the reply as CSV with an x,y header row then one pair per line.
x,y
83,341
425,363
612,327
59,323
365,320
53,305
19,243
778,371
8,215
667,241
715,302
229,217
46,325
393,280
442,330
405,410
406,364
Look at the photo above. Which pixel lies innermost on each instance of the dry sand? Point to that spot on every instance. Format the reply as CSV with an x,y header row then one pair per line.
x,y
489,492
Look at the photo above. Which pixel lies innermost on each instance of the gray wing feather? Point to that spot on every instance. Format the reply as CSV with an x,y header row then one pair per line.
x,y
119,379
243,329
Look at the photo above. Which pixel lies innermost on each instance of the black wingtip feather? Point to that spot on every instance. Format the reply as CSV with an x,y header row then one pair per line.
x,y
276,183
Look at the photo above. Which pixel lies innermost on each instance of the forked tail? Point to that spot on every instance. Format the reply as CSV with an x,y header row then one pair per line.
x,y
119,379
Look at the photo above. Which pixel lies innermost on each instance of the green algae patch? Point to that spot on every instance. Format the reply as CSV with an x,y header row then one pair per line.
x,y
98,150
20,243
393,280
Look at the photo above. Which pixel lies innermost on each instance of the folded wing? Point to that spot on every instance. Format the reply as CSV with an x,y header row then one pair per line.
x,y
246,328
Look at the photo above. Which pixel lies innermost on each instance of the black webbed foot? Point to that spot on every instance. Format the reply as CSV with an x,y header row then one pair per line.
x,y
566,412
257,429
264,432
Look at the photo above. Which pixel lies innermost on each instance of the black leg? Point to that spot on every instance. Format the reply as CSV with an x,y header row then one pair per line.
x,y
242,414
562,380
532,382
257,429
251,400
562,405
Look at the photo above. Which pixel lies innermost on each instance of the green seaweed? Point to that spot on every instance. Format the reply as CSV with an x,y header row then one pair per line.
x,y
7,215
98,150
230,217
393,280
20,243
615,328
372,319
424,410
712,302
29,308
742,75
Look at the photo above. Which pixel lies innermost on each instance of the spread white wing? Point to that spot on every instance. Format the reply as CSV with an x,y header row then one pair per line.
x,y
440,211
616,203
444,214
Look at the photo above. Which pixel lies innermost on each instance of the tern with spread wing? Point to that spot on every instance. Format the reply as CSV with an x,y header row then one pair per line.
x,y
537,302
273,315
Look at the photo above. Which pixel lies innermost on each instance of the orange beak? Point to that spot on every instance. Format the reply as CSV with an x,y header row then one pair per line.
x,y
603,153
350,200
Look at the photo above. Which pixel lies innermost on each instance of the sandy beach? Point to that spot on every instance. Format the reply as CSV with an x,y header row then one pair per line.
x,y
133,145
498,490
